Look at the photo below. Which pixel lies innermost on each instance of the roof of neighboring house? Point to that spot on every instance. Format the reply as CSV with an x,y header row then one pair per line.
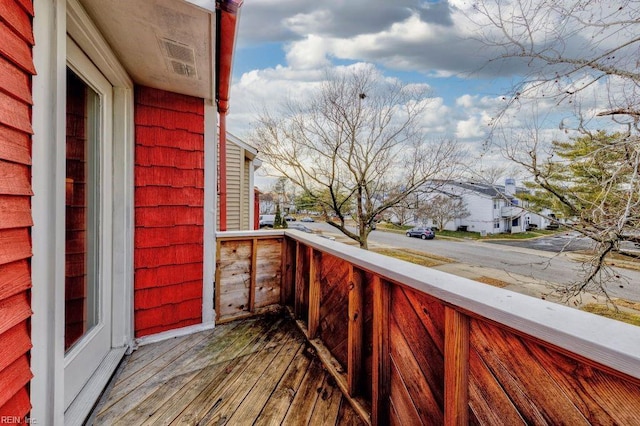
x,y
491,190
251,152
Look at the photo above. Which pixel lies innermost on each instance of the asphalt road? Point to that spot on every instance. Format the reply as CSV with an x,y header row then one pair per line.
x,y
561,242
538,261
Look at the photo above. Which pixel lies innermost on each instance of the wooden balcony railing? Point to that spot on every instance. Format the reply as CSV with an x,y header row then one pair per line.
x,y
412,345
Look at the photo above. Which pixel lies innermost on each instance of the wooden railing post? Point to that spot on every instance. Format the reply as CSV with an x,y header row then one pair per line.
x,y
354,367
456,368
313,320
285,270
381,371
252,275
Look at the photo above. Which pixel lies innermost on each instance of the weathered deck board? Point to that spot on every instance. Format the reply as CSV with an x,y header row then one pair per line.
x,y
155,371
257,371
305,399
178,369
259,393
274,411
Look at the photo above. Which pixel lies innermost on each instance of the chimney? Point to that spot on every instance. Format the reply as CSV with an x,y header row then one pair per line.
x,y
510,187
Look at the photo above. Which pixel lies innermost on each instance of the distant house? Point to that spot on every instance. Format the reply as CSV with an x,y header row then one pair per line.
x,y
493,209
242,162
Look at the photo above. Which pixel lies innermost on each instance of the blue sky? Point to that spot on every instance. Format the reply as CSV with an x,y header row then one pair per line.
x,y
283,44
284,48
272,54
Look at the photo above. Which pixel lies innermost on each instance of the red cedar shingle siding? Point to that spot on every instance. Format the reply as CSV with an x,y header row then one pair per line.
x,y
16,69
169,217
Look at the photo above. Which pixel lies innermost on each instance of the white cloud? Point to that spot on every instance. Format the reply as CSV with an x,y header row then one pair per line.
x,y
436,120
470,129
309,23
309,53
466,101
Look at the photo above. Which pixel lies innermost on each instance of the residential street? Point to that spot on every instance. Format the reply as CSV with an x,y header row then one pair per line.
x,y
517,262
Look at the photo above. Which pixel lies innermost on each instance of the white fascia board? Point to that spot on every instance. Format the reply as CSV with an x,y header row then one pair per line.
x,y
208,5
253,151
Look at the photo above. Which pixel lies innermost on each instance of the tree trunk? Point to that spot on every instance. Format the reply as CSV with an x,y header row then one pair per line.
x,y
362,233
361,226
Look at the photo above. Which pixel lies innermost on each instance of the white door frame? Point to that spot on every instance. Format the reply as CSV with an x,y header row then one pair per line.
x,y
53,20
86,355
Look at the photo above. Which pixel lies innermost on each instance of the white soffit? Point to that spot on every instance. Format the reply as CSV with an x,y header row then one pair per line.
x,y
165,44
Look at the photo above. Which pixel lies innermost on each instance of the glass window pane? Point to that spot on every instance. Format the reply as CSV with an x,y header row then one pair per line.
x,y
82,213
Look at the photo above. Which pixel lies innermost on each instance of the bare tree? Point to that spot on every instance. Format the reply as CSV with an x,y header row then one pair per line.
x,y
581,57
356,145
284,193
406,209
493,174
267,202
442,209
403,212
569,47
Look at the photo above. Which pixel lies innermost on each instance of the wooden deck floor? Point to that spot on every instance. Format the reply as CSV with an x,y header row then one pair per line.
x,y
259,371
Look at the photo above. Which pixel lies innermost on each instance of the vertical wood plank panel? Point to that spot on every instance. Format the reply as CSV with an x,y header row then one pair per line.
x,y
285,279
254,271
356,318
218,286
456,368
314,293
299,281
381,359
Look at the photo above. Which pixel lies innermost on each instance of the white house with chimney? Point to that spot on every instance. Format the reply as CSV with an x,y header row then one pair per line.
x,y
493,209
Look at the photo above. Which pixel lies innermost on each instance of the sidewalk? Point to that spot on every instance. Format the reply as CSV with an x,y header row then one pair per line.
x,y
519,284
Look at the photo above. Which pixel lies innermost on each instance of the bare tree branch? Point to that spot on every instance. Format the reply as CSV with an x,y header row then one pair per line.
x,y
356,147
574,48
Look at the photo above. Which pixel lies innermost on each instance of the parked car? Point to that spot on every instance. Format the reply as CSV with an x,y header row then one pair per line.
x,y
266,220
425,233
307,219
289,218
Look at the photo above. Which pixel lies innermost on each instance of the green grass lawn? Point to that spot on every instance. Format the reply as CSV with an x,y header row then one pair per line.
x,y
414,256
619,315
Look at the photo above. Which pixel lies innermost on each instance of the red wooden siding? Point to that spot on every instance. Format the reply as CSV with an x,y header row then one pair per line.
x,y
16,69
169,216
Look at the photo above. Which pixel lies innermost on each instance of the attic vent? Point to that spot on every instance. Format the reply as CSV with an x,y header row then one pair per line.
x,y
181,58
183,69
181,52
